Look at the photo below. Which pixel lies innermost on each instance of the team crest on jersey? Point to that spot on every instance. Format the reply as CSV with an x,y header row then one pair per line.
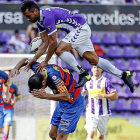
x,y
49,28
54,77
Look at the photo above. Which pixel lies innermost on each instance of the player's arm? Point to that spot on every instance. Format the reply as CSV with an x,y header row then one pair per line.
x,y
84,90
112,93
52,47
42,47
63,96
6,92
15,70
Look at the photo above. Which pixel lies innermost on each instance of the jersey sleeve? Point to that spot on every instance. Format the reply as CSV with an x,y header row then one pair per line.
x,y
58,83
49,21
110,88
3,77
41,27
33,67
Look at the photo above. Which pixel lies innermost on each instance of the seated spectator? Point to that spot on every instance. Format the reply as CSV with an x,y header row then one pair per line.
x,y
18,41
32,31
131,1
119,2
106,2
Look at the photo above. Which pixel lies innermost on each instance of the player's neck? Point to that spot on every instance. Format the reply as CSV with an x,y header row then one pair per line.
x,y
97,77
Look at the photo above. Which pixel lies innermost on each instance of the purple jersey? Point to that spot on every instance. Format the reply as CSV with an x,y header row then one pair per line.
x,y
100,86
55,17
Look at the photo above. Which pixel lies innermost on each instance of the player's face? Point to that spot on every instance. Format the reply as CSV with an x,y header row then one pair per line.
x,y
31,16
96,71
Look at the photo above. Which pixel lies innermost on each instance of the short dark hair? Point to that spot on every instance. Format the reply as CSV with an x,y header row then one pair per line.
x,y
35,81
28,4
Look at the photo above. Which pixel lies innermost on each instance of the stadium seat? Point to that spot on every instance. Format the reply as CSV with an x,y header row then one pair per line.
x,y
134,64
61,63
126,114
120,81
123,39
119,90
136,78
86,65
129,52
95,38
134,104
121,105
61,35
70,68
128,93
4,37
109,39
113,113
139,51
137,114
120,63
114,51
112,78
76,76
136,39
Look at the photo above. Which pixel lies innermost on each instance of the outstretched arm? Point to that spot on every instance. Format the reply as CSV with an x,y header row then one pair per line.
x,y
15,70
51,50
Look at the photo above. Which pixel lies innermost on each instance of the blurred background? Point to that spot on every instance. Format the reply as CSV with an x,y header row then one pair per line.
x,y
115,36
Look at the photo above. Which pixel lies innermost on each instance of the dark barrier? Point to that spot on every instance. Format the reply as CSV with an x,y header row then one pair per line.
x,y
99,17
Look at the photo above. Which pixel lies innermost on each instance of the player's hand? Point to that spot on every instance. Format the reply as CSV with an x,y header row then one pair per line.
x,y
6,99
14,72
99,96
40,93
13,102
27,67
40,66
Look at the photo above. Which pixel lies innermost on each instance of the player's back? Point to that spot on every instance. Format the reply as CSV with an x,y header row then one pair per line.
x,y
61,18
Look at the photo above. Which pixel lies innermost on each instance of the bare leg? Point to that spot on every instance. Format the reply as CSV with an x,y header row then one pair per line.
x,y
100,136
53,132
6,132
61,136
90,135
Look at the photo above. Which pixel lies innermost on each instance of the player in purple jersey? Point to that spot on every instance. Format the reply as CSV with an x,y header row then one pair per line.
x,y
78,37
100,90
62,83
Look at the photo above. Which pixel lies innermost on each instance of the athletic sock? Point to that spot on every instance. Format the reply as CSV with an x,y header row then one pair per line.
x,y
5,136
108,67
70,60
89,139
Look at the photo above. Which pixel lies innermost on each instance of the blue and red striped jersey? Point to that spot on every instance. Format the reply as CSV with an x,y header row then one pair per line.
x,y
3,79
13,91
60,80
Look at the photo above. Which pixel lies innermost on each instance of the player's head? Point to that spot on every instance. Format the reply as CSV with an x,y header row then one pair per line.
x,y
97,72
8,72
30,10
36,81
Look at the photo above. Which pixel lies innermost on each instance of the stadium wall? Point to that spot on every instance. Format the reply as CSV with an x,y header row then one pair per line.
x,y
108,18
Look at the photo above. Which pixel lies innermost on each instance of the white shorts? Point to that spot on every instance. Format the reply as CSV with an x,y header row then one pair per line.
x,y
80,39
99,122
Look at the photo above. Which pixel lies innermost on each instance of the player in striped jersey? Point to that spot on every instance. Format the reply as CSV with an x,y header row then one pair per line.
x,y
5,90
9,107
78,37
62,83
100,90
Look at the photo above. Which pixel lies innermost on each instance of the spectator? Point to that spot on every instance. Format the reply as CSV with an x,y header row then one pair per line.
x,y
130,1
32,31
119,2
18,41
106,2
46,1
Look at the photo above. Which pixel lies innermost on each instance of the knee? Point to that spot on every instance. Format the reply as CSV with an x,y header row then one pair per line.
x,y
52,135
58,51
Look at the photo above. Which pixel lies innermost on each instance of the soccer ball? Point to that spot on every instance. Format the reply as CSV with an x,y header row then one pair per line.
x,y
34,45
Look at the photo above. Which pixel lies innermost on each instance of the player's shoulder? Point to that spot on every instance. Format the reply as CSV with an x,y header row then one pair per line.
x,y
3,75
13,86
